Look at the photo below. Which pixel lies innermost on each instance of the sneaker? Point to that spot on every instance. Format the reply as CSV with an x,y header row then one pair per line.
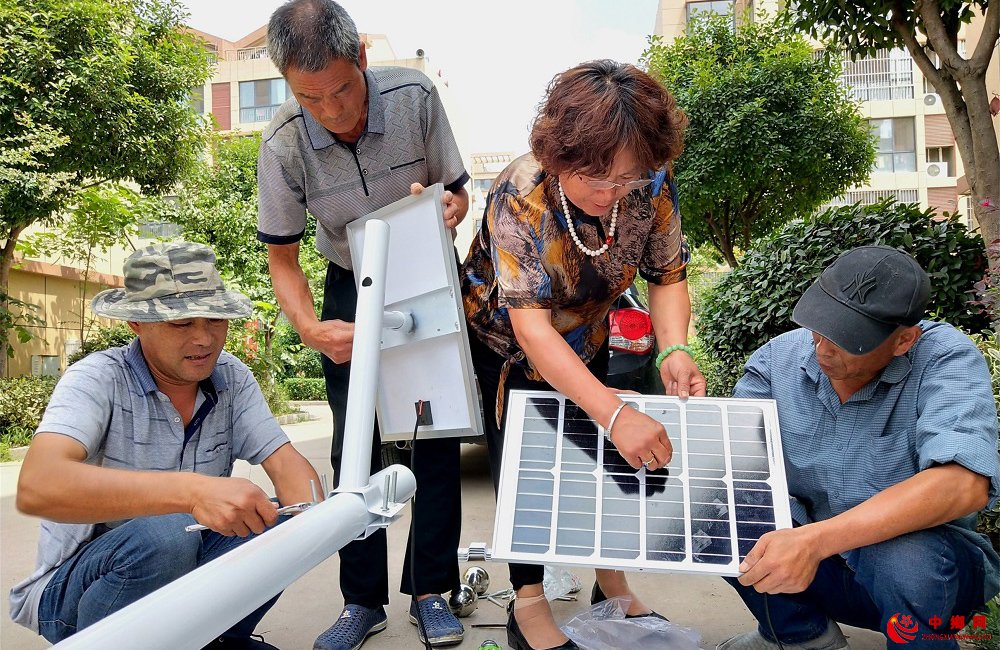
x,y
832,639
441,625
354,625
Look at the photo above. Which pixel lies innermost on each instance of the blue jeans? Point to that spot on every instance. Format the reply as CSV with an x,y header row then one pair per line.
x,y
929,574
125,564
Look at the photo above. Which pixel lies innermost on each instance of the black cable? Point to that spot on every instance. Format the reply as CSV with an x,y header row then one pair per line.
x,y
767,614
413,540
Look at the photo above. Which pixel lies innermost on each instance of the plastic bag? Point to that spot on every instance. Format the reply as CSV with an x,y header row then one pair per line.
x,y
604,627
559,581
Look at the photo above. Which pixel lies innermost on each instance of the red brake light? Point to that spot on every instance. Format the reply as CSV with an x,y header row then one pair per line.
x,y
631,330
631,323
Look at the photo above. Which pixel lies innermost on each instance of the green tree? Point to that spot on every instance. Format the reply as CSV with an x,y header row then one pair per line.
x,y
772,133
100,219
926,28
91,91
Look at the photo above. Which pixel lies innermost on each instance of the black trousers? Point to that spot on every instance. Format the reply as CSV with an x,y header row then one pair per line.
x,y
488,365
364,576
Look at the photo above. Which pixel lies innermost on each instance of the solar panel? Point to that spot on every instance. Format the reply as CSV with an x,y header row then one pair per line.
x,y
567,497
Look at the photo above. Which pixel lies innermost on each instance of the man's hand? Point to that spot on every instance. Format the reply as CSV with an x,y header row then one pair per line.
x,y
639,438
454,209
334,338
233,506
681,376
782,561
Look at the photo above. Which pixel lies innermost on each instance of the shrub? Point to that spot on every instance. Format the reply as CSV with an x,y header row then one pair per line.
x,y
102,338
754,302
305,388
22,402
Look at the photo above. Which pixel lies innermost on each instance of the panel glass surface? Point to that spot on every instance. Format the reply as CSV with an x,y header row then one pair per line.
x,y
568,497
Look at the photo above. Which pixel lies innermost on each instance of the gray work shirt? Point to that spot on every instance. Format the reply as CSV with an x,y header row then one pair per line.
x,y
109,403
303,166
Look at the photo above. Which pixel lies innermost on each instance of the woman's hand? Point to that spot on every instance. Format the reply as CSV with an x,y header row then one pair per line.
x,y
641,440
681,376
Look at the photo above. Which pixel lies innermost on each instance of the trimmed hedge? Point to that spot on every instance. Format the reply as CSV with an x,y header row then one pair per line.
x,y
754,302
305,389
102,338
22,402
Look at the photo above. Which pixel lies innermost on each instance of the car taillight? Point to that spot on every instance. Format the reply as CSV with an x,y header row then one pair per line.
x,y
631,330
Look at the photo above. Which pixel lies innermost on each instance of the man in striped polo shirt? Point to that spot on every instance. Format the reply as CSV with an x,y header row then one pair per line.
x,y
354,140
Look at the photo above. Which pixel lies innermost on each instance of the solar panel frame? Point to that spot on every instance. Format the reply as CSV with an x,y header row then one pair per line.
x,y
567,497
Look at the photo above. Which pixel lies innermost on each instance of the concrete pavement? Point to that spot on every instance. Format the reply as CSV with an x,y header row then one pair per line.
x,y
309,606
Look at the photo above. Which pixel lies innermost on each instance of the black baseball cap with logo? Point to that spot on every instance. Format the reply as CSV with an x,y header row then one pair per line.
x,y
860,299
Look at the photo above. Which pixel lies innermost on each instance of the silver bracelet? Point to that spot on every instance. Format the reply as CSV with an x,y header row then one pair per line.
x,y
611,422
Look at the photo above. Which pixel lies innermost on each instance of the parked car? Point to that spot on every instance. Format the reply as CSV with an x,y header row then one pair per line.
x,y
632,346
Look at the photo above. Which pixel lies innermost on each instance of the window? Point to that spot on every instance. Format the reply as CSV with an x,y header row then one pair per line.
x,y
721,7
198,100
259,100
887,75
940,162
897,151
482,185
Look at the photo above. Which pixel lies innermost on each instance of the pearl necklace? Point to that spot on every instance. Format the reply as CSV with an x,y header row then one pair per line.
x,y
572,231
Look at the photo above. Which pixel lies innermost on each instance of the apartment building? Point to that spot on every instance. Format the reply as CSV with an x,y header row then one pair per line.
x,y
918,160
242,96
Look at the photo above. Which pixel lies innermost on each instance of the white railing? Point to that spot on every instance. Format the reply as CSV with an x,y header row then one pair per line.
x,y
869,197
198,607
258,113
250,53
887,75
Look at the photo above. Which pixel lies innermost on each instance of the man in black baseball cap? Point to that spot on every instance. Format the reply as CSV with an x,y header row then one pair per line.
x,y
889,432
864,297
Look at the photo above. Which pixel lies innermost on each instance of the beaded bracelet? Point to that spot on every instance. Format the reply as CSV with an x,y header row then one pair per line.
x,y
611,422
672,348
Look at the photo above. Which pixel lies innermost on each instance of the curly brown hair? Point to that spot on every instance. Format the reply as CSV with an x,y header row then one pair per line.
x,y
596,109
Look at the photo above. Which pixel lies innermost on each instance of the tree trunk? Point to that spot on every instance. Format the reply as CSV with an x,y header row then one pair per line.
x,y
962,87
6,263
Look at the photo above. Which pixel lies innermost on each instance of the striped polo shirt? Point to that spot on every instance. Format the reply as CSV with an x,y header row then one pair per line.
x,y
110,404
303,166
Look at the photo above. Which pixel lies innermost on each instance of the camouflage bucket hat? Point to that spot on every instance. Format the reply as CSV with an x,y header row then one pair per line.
x,y
173,281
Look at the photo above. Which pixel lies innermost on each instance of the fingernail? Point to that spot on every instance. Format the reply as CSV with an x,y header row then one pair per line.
x,y
743,567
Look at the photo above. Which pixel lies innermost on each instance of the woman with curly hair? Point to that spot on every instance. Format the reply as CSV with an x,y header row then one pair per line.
x,y
567,227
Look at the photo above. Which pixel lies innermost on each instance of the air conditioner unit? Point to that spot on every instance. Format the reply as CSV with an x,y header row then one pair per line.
x,y
936,169
932,99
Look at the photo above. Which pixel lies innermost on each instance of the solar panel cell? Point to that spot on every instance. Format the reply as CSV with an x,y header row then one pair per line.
x,y
567,496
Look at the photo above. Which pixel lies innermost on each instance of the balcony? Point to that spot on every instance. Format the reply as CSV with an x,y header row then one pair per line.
x,y
247,54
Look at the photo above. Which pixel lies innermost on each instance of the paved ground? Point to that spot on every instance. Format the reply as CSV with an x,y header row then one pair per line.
x,y
706,605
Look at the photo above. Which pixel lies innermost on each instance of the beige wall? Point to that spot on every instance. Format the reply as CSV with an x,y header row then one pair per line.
x,y
56,291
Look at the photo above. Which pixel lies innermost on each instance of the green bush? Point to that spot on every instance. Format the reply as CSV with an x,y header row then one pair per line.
x,y
305,388
22,402
102,338
754,302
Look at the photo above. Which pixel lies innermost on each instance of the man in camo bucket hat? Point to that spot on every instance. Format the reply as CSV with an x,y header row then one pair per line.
x,y
138,442
173,281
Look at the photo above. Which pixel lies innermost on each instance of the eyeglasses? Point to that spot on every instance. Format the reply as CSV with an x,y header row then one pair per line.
x,y
611,185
